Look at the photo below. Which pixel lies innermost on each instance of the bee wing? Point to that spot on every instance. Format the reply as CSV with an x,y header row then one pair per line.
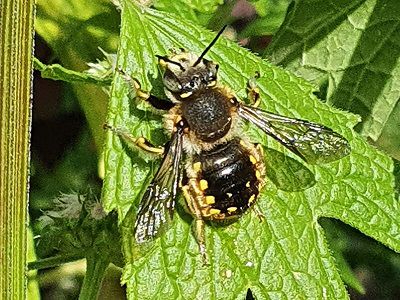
x,y
312,142
157,205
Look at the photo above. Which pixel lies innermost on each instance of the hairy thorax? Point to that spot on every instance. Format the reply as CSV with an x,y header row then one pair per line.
x,y
208,114
211,117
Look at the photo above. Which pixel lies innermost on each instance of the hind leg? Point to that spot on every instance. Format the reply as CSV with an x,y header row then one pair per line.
x,y
198,226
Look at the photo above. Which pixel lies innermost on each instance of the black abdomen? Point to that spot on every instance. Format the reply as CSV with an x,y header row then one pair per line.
x,y
232,178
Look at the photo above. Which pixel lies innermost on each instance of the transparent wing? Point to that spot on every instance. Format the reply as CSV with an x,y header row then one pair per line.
x,y
157,205
313,142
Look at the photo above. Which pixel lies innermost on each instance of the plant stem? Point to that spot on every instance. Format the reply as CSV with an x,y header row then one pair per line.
x,y
96,267
52,262
16,42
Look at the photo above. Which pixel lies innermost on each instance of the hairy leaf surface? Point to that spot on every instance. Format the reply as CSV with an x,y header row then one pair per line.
x,y
284,257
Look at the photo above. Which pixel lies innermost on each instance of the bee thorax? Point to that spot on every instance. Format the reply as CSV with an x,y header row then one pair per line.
x,y
208,114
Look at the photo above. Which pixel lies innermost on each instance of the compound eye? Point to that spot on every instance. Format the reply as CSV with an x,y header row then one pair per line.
x,y
212,72
194,82
212,76
171,82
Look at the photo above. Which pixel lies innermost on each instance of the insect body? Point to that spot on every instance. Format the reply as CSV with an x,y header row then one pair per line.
x,y
219,172
226,180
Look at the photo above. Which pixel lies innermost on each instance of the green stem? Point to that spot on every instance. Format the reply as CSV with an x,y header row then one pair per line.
x,y
52,261
16,42
96,267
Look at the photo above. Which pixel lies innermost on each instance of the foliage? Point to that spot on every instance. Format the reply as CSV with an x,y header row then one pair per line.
x,y
77,227
75,30
288,255
351,49
285,256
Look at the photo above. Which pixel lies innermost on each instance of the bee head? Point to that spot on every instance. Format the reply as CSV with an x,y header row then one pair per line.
x,y
186,73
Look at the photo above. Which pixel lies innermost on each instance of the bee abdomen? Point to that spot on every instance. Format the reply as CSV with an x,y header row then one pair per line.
x,y
229,179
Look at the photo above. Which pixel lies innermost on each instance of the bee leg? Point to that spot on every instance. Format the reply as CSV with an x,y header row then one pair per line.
x,y
200,237
253,92
260,149
140,142
259,214
198,227
145,96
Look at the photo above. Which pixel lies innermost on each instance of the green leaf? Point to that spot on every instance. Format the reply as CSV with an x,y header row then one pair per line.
x,y
396,173
352,47
58,72
192,10
271,15
389,139
370,260
337,240
77,227
205,6
260,6
75,30
286,256
287,173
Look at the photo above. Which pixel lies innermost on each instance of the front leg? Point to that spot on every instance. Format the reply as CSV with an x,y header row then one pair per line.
x,y
133,142
253,92
154,101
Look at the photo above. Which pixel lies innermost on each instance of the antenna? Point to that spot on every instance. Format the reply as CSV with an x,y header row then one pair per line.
x,y
170,61
209,46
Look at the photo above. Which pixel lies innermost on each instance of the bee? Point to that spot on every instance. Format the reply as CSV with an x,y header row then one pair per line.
x,y
219,172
